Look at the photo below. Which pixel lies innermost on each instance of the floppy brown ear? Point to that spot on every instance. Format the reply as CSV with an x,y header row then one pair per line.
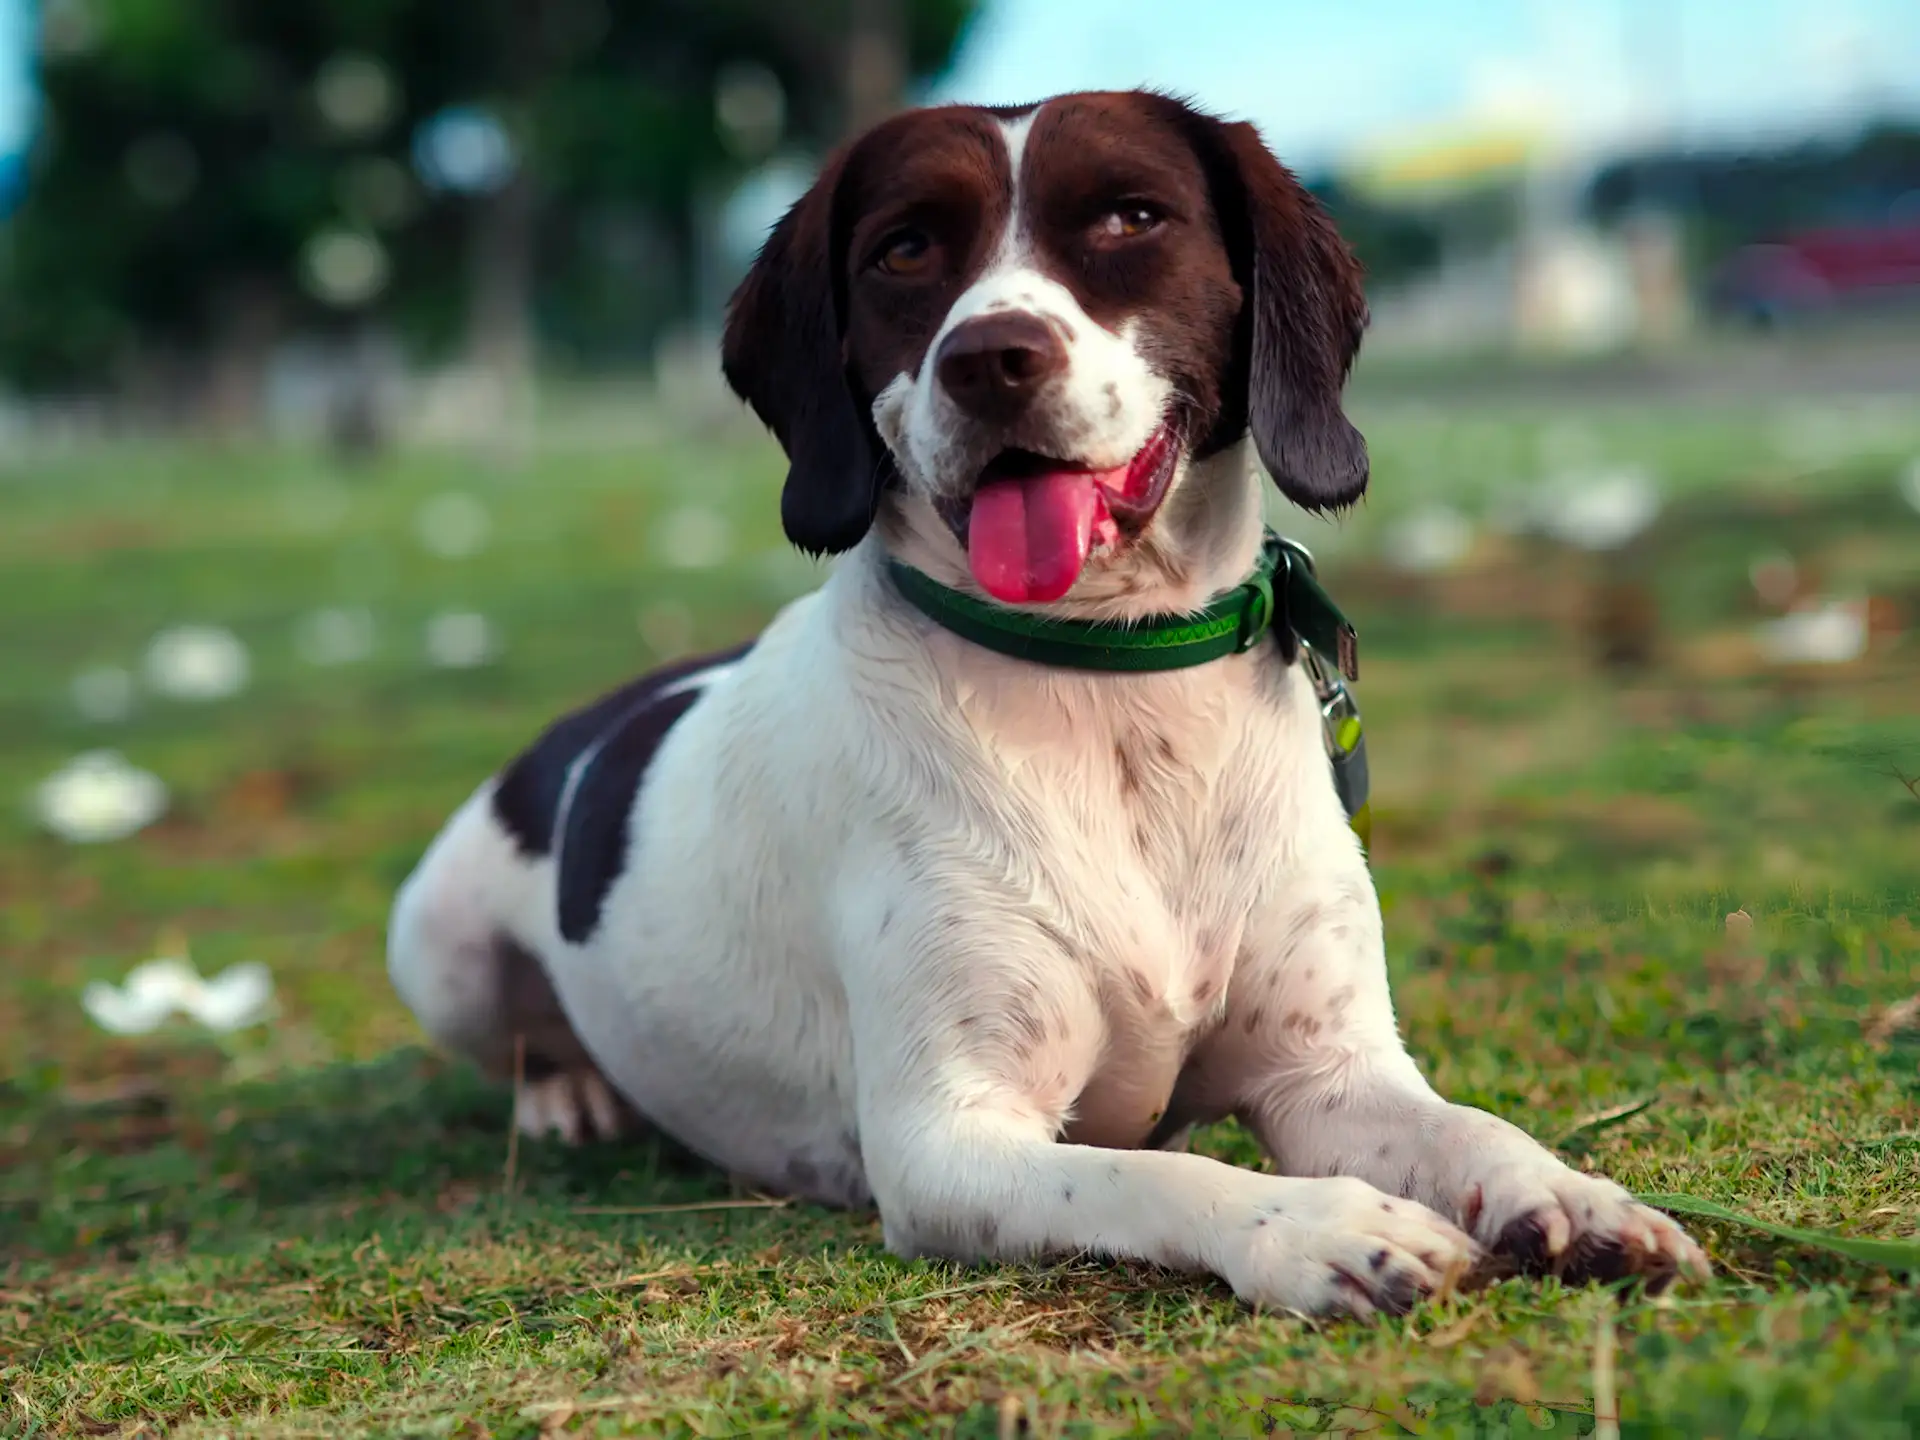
x,y
1305,312
782,354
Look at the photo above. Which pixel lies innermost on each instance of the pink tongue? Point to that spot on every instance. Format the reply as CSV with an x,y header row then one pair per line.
x,y
1028,538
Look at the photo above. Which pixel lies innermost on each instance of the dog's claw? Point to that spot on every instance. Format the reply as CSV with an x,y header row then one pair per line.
x,y
1587,1230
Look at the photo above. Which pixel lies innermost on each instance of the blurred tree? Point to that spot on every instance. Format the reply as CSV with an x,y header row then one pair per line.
x,y
1394,243
216,175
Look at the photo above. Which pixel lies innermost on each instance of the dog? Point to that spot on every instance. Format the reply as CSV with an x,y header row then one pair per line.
x,y
868,912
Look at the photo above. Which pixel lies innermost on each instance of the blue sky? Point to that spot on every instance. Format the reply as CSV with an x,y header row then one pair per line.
x,y
15,106
1325,78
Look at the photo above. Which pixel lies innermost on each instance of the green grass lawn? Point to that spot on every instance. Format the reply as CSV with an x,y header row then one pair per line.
x,y
317,1228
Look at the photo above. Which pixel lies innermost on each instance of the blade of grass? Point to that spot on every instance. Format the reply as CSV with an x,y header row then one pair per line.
x,y
758,1202
1585,1129
1887,1254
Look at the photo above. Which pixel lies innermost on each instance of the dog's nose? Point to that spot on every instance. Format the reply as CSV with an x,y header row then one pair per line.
x,y
993,365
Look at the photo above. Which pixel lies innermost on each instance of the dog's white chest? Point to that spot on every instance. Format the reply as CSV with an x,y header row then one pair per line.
x,y
1150,812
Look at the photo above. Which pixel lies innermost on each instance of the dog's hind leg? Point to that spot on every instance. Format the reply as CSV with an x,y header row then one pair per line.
x,y
476,990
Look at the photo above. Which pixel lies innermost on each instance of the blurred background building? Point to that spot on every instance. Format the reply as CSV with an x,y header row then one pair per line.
x,y
391,214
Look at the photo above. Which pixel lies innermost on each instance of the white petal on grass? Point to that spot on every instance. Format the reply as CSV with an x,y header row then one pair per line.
x,y
197,663
453,526
103,694
119,1013
1604,510
98,797
1830,633
335,636
1430,540
460,640
237,997
156,990
693,538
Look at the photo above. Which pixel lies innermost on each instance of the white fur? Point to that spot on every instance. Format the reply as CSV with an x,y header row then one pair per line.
x,y
902,914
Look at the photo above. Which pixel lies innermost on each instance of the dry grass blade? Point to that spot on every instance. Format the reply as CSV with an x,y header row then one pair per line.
x,y
1606,1395
513,1121
1901,1015
977,1341
757,1202
1585,1128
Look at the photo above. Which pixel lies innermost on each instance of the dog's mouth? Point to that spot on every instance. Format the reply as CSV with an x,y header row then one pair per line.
x,y
1033,520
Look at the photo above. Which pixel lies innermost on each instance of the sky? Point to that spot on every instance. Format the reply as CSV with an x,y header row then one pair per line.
x,y
15,102
1328,80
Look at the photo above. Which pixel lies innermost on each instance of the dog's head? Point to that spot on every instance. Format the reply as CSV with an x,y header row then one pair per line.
x,y
1029,325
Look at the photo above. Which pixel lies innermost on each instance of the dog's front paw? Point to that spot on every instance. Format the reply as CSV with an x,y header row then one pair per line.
x,y
1340,1247
575,1105
1556,1221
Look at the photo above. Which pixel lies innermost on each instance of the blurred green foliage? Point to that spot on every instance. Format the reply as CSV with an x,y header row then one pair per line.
x,y
188,157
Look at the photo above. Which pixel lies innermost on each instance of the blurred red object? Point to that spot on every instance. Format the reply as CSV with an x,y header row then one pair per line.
x,y
1819,270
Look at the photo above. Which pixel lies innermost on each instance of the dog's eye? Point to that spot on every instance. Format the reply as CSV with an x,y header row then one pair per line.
x,y
905,252
1124,222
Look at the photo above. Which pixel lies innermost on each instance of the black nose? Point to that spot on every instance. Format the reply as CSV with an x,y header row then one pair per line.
x,y
993,365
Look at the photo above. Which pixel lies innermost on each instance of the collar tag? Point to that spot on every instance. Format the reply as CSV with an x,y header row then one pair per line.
x,y
1311,611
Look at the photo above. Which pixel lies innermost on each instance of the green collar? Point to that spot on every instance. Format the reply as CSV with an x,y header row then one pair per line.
x,y
1282,594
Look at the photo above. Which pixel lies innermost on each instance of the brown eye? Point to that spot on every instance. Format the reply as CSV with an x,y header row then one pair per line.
x,y
1124,222
906,252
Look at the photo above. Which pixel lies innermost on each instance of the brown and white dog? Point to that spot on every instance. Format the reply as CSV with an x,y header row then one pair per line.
x,y
867,913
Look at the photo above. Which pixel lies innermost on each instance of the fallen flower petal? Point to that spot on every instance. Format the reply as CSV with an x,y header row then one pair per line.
x,y
235,998
119,1013
197,662
158,989
97,797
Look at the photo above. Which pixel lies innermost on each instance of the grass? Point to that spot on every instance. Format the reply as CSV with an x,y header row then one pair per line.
x,y
314,1228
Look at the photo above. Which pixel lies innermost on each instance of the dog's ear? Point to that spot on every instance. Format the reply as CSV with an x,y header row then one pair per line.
x,y
1300,325
782,354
